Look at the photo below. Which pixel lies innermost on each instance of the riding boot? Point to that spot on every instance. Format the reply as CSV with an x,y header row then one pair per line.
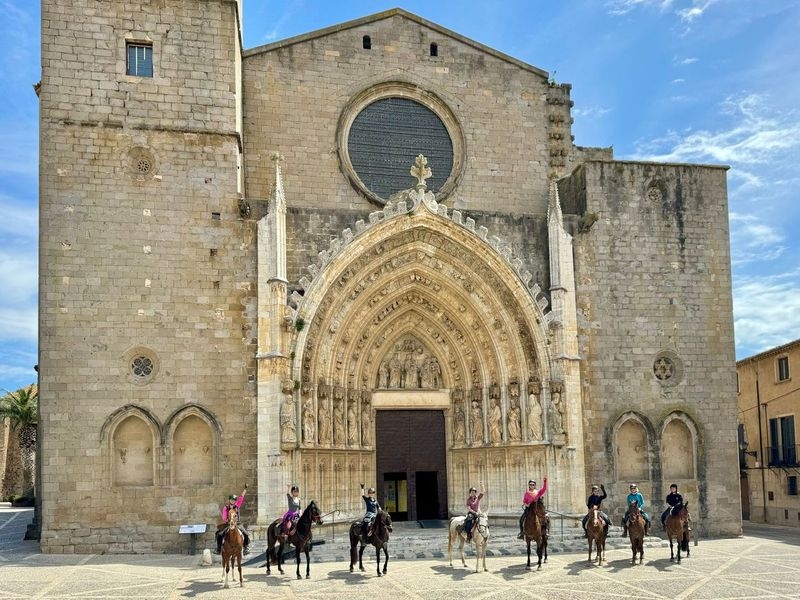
x,y
625,530
246,550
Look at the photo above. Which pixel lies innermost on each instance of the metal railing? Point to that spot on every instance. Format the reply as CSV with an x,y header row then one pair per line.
x,y
782,456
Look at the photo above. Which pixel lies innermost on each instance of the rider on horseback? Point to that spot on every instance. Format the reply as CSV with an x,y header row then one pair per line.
x,y
595,499
293,513
635,495
674,500
473,508
372,508
532,496
234,501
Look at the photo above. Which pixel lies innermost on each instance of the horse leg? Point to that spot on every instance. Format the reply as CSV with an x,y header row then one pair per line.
x,y
528,567
378,559
461,540
239,566
308,563
539,551
386,557
590,548
450,544
361,549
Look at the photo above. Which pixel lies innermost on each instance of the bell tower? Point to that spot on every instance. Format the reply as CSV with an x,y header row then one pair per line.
x,y
143,241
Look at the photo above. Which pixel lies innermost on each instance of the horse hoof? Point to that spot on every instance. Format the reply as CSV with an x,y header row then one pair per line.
x,y
362,569
308,576
379,573
351,569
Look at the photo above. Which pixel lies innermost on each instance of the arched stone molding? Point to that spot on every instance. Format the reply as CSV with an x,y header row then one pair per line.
x,y
678,448
419,268
131,439
211,456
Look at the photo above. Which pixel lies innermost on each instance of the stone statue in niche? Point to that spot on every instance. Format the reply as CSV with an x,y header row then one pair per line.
x,y
476,422
556,410
383,375
366,423
459,430
352,424
288,427
309,422
514,416
395,371
495,427
534,414
410,377
431,377
494,390
338,423
324,423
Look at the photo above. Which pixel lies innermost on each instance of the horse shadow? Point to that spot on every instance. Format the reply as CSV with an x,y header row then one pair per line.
x,y
457,573
514,572
354,578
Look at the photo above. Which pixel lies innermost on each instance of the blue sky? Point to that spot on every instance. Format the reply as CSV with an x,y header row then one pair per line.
x,y
700,81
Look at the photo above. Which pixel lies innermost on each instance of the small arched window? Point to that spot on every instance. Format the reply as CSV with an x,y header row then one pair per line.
x,y
434,49
366,42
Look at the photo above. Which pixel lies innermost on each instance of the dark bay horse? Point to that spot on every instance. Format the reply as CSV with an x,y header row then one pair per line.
x,y
300,539
534,527
596,532
232,544
677,526
381,529
636,531
480,537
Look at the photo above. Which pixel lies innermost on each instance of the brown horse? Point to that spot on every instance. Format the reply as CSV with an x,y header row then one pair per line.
x,y
636,531
677,526
596,532
534,527
300,539
232,544
480,537
381,529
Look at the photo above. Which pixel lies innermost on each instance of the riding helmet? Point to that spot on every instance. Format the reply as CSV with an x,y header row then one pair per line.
x,y
371,490
472,489
531,482
233,497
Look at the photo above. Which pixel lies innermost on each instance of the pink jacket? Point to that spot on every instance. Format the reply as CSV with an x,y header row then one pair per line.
x,y
237,504
531,497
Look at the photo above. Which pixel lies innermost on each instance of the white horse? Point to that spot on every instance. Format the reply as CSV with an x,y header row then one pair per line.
x,y
480,537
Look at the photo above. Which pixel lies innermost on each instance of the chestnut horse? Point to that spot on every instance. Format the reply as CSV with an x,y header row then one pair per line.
x,y
300,539
381,529
596,532
232,544
480,537
534,527
636,531
677,526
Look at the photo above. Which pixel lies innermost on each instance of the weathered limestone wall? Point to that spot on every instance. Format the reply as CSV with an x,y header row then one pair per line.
x,y
656,336
295,94
143,256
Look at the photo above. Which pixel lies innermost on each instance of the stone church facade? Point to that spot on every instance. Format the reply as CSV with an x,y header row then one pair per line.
x,y
371,253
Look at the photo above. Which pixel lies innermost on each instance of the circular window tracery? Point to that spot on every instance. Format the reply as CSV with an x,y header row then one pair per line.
x,y
141,365
384,128
667,368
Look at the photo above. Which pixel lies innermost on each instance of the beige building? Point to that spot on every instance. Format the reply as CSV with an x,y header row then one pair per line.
x,y
769,401
371,253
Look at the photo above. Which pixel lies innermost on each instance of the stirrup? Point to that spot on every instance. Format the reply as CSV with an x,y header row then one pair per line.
x,y
520,535
246,550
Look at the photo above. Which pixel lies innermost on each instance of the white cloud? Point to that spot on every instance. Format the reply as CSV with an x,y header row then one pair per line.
x,y
591,112
757,135
19,324
621,7
754,241
678,80
766,311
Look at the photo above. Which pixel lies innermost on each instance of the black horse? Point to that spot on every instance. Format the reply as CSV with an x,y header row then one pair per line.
x,y
381,529
300,539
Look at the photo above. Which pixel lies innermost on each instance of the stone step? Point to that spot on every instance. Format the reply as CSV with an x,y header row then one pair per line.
x,y
411,541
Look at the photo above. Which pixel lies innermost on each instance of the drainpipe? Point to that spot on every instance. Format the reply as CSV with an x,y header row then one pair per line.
x,y
761,446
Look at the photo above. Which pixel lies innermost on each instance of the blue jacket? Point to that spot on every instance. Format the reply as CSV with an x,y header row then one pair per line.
x,y
639,499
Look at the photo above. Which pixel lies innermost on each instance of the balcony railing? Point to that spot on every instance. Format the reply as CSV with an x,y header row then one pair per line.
x,y
783,456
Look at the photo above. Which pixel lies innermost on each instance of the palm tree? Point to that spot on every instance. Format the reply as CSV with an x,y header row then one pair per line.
x,y
21,408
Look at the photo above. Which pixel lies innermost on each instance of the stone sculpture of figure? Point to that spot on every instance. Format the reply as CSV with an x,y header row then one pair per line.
x,y
495,428
514,428
476,421
556,420
383,375
395,370
494,390
324,425
288,428
535,429
338,423
352,424
410,373
435,373
459,431
309,422
366,424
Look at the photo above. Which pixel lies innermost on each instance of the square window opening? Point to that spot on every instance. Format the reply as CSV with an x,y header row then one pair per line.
x,y
139,59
